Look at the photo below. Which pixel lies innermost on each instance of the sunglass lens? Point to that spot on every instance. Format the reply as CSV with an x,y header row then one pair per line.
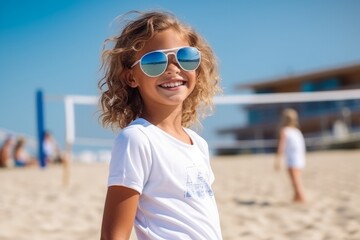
x,y
154,63
189,58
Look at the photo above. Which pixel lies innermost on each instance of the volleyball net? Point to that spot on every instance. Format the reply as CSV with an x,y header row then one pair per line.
x,y
222,130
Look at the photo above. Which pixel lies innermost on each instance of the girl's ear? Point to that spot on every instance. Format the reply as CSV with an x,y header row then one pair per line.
x,y
130,80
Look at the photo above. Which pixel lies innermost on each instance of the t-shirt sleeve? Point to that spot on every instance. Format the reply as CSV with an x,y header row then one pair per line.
x,y
130,162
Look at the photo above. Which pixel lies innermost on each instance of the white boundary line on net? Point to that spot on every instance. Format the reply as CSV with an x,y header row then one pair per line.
x,y
268,143
269,98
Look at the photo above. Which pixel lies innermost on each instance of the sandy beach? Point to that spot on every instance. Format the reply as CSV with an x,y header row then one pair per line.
x,y
254,201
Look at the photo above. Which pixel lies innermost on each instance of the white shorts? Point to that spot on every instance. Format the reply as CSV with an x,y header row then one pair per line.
x,y
294,162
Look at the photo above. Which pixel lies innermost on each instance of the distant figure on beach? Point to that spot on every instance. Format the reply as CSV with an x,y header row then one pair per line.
x,y
21,156
5,152
159,78
291,148
51,149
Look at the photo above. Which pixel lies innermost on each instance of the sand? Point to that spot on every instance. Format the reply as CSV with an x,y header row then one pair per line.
x,y
253,200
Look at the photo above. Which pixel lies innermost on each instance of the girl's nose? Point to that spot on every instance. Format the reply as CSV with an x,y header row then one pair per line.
x,y
172,59
172,64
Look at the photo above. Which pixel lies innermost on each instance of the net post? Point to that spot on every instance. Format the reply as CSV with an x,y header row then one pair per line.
x,y
69,137
40,126
69,125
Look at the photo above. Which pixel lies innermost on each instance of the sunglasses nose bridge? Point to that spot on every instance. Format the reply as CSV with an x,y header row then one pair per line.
x,y
172,58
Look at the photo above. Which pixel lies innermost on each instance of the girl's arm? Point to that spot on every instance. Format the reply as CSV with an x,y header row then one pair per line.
x,y
280,150
119,213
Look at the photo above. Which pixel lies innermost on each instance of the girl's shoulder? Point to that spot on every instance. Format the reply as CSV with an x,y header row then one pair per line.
x,y
291,131
134,132
136,125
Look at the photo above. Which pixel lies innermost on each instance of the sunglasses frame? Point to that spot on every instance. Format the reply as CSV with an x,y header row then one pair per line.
x,y
167,52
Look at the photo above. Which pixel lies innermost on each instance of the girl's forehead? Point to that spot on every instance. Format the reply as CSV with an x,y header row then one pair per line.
x,y
165,39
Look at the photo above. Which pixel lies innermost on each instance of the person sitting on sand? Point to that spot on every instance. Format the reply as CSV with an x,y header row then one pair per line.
x,y
21,156
291,146
51,149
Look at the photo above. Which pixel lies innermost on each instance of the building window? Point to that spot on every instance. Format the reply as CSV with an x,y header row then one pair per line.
x,y
307,87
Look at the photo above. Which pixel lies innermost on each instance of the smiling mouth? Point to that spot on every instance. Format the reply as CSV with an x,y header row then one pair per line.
x,y
173,84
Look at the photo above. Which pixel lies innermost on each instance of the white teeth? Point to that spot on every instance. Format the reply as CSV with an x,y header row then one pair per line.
x,y
172,84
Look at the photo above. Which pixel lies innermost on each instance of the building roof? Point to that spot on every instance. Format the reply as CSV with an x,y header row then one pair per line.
x,y
353,69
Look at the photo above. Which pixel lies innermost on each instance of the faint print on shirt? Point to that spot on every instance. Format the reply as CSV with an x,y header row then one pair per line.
x,y
197,183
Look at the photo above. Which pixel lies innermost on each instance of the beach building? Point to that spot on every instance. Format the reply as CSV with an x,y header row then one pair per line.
x,y
325,124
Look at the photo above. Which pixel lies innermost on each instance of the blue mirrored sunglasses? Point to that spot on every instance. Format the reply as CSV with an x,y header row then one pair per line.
x,y
154,63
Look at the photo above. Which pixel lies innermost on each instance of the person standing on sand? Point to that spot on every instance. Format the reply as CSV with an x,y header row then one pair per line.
x,y
291,148
159,76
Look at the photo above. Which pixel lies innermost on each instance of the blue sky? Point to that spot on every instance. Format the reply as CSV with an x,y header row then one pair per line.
x,y
55,45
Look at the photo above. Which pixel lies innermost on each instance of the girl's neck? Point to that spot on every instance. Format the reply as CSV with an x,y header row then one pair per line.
x,y
168,121
163,117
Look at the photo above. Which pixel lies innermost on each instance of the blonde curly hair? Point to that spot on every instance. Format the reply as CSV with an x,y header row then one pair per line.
x,y
121,104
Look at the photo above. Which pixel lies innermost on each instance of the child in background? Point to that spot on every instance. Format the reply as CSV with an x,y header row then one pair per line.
x,y
159,77
292,147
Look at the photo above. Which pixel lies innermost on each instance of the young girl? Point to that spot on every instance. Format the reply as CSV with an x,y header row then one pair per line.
x,y
292,148
158,77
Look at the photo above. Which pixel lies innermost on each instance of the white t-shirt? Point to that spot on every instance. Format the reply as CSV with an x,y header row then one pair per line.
x,y
174,181
294,147
48,148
